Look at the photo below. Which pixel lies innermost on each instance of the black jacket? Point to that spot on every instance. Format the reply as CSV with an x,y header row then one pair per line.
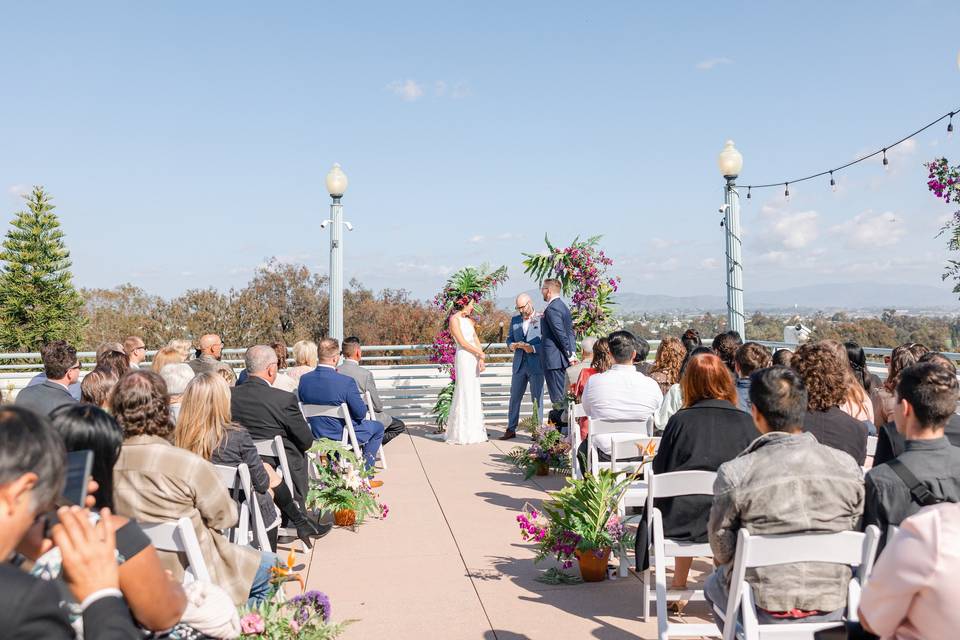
x,y
31,611
837,429
237,447
44,398
891,443
699,438
266,412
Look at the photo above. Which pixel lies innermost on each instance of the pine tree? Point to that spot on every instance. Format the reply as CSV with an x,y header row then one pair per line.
x,y
37,300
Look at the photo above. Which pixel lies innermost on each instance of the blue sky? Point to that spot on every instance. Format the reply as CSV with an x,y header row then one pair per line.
x,y
184,143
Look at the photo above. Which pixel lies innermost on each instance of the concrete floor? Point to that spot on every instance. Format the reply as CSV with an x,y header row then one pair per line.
x,y
448,561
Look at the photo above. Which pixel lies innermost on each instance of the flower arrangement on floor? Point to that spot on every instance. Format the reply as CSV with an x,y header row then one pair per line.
x,y
581,269
550,449
579,522
944,182
305,616
341,484
470,284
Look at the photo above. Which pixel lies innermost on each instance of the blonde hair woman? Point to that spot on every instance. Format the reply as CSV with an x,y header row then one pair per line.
x,y
183,346
167,355
305,357
206,428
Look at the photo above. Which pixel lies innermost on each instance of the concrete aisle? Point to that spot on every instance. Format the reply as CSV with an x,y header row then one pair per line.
x,y
448,561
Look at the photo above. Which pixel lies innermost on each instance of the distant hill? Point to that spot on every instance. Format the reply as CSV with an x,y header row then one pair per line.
x,y
847,296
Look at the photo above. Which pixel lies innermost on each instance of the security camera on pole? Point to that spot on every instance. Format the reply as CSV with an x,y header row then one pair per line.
x,y
731,162
336,186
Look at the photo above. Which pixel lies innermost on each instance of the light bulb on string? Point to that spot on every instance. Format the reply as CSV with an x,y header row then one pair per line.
x,y
950,126
886,163
786,191
833,183
748,193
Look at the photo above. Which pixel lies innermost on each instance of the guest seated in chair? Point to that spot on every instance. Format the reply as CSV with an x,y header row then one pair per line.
x,y
325,386
267,412
708,431
32,465
785,482
393,426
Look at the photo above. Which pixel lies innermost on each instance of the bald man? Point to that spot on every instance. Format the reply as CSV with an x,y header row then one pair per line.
x,y
524,341
211,350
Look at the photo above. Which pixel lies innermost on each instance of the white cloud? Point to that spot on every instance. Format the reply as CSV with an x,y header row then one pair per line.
x,y
710,63
709,264
509,235
440,88
415,266
477,239
407,90
660,243
18,190
869,229
789,231
460,90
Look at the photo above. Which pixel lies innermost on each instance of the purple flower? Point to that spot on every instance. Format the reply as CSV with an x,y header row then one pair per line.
x,y
309,604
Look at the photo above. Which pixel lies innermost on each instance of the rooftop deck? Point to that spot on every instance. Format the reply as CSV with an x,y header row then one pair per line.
x,y
448,561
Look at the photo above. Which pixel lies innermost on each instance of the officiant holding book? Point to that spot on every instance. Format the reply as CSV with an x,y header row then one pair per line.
x,y
524,340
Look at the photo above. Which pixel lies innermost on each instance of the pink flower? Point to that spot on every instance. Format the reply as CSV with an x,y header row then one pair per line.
x,y
252,624
294,626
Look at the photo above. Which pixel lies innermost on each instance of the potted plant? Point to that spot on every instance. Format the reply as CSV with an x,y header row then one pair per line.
x,y
550,449
580,522
341,484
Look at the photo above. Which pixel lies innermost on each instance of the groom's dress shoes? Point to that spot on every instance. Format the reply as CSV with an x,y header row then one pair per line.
x,y
509,435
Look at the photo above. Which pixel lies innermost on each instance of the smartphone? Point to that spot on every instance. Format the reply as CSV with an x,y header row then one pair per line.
x,y
79,467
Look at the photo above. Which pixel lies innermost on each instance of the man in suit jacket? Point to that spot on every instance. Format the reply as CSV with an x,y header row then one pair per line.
x,y
267,412
558,343
524,340
325,386
392,426
62,369
31,474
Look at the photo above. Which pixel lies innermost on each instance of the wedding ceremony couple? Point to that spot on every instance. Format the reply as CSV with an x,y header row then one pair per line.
x,y
543,347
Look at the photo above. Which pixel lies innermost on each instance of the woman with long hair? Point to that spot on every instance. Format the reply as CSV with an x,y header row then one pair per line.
x,y
666,366
825,375
207,429
857,403
708,431
602,361
156,602
902,357
466,422
165,356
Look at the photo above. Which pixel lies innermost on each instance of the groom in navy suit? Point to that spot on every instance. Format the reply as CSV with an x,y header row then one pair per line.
x,y
524,341
558,345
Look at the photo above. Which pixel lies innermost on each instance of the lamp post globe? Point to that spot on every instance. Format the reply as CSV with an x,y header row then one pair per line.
x,y
730,161
336,181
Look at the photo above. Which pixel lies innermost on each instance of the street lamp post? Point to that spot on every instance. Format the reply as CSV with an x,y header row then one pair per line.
x,y
731,162
336,187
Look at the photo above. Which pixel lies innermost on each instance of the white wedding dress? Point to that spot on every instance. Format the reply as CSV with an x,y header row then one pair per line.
x,y
465,425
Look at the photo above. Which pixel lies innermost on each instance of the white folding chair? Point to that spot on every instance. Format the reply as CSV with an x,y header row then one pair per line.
x,y
622,432
179,536
372,415
575,411
229,476
340,412
274,448
672,485
238,478
846,547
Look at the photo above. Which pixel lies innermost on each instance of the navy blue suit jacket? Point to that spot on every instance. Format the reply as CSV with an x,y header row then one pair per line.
x,y
522,359
556,329
326,386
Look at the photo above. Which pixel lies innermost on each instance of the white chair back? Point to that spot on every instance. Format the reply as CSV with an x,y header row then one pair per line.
x,y
623,430
340,412
179,536
372,415
871,446
230,477
846,547
260,537
573,412
274,448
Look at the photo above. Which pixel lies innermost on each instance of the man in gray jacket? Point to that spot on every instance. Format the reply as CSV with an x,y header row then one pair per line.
x,y
785,482
367,384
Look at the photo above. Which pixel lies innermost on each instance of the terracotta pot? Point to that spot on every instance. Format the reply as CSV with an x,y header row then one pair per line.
x,y
593,564
344,517
543,469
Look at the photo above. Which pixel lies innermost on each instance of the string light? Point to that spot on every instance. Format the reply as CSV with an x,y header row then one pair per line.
x,y
833,183
882,151
748,193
